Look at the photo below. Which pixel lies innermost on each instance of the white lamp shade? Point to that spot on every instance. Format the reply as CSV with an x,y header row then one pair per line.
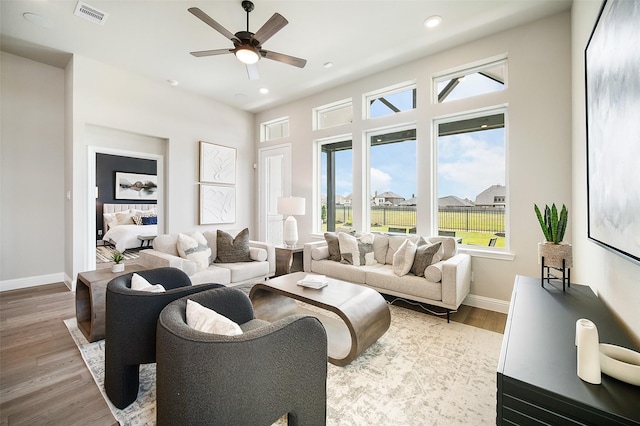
x,y
291,205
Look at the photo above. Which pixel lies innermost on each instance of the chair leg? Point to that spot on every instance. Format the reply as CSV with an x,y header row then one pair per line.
x,y
121,384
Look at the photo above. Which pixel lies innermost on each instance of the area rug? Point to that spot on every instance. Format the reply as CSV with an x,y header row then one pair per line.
x,y
105,254
423,371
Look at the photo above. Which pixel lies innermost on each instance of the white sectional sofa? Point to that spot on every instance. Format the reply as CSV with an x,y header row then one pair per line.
x,y
446,284
165,253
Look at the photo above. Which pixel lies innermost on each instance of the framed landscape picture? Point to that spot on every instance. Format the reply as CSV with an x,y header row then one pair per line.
x,y
217,164
217,204
134,186
612,61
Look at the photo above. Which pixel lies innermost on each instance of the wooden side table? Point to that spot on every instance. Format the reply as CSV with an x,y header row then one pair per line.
x,y
289,259
91,291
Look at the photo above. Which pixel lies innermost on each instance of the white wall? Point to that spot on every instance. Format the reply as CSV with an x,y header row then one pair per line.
x,y
539,127
31,173
615,279
114,98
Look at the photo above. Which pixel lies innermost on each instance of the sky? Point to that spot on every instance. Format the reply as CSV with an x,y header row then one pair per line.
x,y
467,163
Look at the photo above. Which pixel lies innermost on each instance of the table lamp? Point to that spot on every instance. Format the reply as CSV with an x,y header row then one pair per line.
x,y
291,206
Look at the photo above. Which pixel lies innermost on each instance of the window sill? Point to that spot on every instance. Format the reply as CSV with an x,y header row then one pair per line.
x,y
487,254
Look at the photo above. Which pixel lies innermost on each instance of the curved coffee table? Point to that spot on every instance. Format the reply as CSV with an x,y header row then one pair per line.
x,y
361,315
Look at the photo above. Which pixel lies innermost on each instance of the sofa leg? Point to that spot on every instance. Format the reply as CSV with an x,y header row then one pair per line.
x,y
448,315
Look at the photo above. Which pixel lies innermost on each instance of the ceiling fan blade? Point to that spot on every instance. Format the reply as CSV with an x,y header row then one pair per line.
x,y
252,71
201,53
272,26
213,24
281,57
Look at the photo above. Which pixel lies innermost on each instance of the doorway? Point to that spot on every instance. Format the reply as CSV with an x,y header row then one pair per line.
x,y
274,182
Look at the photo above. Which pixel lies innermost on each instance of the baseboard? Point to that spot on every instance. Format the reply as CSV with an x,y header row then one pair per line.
x,y
487,303
33,281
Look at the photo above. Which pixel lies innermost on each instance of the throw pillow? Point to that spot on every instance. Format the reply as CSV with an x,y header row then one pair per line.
x,y
349,252
365,249
141,284
209,321
194,247
433,272
231,250
149,220
403,258
334,246
423,258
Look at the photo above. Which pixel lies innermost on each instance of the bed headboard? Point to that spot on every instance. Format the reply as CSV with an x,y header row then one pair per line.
x,y
113,208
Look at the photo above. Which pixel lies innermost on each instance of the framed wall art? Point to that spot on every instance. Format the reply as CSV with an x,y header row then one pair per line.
x,y
217,204
135,186
612,61
217,164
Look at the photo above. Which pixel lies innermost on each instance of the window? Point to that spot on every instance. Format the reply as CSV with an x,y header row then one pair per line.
x,y
275,129
334,114
471,82
392,181
336,184
471,177
391,100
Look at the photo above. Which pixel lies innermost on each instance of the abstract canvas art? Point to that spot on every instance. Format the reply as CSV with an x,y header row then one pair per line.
x,y
217,204
135,186
612,64
217,164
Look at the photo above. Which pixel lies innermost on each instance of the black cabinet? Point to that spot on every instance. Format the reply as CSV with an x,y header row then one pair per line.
x,y
537,373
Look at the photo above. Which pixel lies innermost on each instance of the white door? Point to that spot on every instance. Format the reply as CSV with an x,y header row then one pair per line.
x,y
275,181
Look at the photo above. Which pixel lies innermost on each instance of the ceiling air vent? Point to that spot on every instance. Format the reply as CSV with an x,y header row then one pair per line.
x,y
90,13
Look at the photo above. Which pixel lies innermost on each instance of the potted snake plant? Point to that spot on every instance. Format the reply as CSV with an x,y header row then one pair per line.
x,y
117,258
554,249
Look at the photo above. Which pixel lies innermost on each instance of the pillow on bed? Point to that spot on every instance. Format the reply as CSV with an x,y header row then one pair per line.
x,y
150,220
194,247
124,218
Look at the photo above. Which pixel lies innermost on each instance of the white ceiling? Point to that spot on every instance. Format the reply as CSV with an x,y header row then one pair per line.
x,y
359,37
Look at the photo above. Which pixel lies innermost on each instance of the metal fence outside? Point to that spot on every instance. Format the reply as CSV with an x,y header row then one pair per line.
x,y
469,219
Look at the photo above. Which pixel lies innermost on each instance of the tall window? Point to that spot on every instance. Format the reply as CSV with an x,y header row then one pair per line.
x,y
392,181
471,178
336,176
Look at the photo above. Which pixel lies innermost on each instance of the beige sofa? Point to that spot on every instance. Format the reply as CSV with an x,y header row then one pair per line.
x,y
165,253
446,284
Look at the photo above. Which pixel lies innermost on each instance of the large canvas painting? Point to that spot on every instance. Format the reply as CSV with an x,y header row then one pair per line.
x,y
217,204
217,164
612,64
135,186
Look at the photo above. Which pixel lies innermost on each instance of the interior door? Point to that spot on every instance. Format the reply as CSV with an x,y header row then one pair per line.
x,y
275,181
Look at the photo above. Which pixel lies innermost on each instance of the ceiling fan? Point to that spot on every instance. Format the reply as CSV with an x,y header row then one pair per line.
x,y
247,45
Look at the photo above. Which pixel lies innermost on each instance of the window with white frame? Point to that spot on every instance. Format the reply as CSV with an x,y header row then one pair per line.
x,y
334,114
392,180
391,100
274,129
336,184
471,164
470,82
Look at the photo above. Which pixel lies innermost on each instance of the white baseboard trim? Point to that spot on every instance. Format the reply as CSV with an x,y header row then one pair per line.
x,y
33,281
487,303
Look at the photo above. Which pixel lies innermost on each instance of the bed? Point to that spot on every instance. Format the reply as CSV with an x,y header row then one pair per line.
x,y
125,222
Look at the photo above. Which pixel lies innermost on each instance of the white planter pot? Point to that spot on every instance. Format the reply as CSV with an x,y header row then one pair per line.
x,y
554,254
117,267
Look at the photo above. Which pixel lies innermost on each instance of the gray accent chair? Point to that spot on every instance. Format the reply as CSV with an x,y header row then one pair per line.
x,y
272,369
130,327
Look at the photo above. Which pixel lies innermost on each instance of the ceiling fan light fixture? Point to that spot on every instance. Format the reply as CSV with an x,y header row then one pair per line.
x,y
247,55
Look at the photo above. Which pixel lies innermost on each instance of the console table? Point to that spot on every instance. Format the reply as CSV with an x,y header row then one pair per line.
x,y
537,379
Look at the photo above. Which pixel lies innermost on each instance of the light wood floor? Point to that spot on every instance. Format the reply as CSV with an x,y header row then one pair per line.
x,y
43,379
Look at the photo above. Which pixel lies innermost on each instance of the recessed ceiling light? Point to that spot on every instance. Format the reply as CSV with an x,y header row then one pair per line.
x,y
264,90
40,21
432,21
328,64
173,83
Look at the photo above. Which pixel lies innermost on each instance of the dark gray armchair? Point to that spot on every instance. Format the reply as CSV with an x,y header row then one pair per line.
x,y
130,327
272,369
